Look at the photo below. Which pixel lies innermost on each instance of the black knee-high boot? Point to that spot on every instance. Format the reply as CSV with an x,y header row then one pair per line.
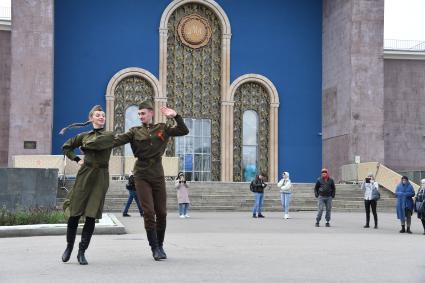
x,y
71,232
153,242
161,235
85,240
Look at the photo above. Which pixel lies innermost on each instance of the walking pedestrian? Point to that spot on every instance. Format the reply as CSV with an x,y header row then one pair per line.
x,y
132,195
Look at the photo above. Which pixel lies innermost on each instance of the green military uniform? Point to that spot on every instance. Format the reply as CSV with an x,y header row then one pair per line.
x,y
148,143
87,197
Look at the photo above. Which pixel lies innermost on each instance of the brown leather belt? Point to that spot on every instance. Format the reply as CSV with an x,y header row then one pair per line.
x,y
150,161
95,165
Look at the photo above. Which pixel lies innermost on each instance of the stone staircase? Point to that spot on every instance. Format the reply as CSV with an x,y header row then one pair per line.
x,y
219,196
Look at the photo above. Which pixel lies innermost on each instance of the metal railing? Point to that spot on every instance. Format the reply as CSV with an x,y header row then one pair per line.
x,y
5,13
405,45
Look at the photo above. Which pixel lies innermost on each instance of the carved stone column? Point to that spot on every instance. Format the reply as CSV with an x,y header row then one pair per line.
x,y
273,140
163,61
109,112
227,141
159,102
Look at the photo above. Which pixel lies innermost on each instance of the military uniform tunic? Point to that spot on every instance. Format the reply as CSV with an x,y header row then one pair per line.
x,y
148,143
87,196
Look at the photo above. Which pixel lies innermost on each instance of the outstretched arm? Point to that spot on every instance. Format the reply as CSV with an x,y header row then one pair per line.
x,y
122,139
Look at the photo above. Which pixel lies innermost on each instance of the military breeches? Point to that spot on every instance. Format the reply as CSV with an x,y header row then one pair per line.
x,y
153,198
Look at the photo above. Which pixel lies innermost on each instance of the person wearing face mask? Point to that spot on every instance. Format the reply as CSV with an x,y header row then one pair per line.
x,y
285,187
405,193
324,191
420,203
92,181
371,196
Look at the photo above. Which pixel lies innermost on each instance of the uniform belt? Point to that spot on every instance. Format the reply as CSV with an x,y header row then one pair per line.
x,y
95,165
150,161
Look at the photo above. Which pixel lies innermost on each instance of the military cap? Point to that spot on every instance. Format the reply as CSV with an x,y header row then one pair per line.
x,y
147,104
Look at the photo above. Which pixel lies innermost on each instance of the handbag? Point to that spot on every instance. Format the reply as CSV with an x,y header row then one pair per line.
x,y
376,195
419,206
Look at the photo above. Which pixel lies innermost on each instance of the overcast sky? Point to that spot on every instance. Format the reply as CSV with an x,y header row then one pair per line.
x,y
404,19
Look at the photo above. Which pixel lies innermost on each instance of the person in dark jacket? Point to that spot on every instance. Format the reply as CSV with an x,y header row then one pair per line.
x,y
420,202
405,193
131,187
257,187
324,192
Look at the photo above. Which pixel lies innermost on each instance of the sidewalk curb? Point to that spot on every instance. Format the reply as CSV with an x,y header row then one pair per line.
x,y
108,225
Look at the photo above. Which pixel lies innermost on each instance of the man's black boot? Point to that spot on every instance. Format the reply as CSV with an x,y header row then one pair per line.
x,y
160,236
402,229
153,242
408,230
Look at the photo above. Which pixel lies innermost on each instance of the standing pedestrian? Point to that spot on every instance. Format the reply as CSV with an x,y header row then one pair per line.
x,y
148,143
285,187
405,193
92,181
131,187
257,187
420,203
182,195
324,192
371,197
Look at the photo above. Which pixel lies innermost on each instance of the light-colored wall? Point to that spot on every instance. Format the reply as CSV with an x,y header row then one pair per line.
x,y
5,60
31,89
118,165
352,87
404,114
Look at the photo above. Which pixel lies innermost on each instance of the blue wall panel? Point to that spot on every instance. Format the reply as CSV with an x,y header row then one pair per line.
x,y
278,39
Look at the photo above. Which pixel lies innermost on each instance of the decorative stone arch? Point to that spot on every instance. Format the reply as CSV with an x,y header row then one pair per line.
x,y
225,61
226,35
273,123
117,78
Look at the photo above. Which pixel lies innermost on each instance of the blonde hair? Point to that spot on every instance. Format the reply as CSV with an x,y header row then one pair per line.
x,y
95,108
80,125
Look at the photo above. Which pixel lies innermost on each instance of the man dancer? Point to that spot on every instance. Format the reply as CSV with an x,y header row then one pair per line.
x,y
148,143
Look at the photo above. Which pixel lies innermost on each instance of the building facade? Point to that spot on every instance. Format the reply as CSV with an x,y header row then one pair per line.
x,y
264,86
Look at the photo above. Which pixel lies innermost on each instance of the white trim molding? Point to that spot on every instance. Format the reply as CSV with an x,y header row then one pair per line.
x,y
5,25
404,55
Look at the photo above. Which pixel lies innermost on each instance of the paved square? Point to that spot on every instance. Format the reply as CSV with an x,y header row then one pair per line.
x,y
230,247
